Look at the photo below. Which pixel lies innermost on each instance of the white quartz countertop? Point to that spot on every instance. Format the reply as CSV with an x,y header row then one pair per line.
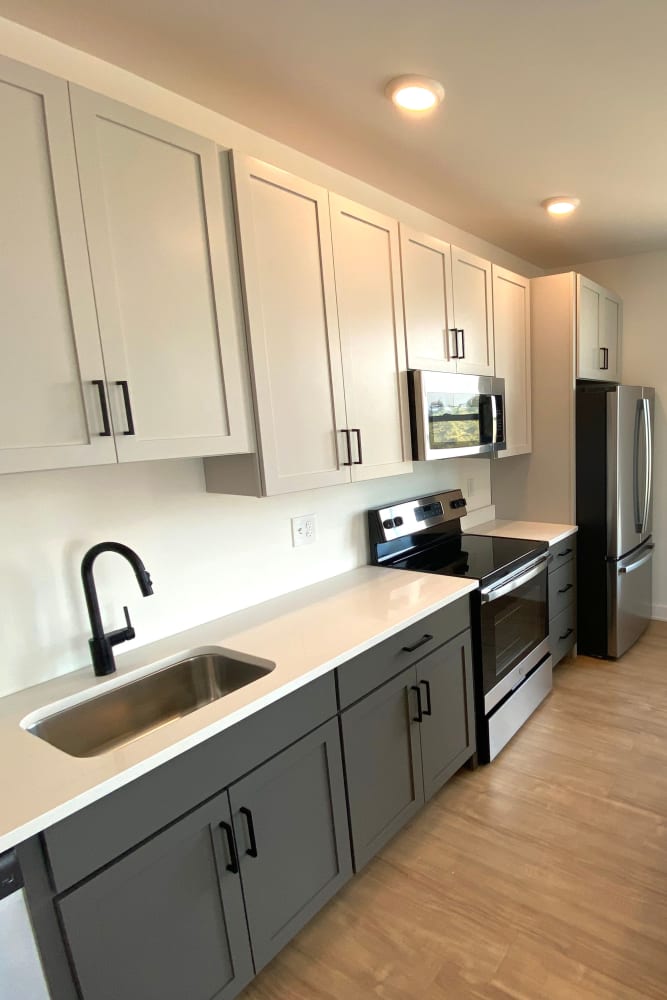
x,y
539,530
306,633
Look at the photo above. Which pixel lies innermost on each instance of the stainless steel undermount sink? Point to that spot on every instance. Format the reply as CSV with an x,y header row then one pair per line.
x,y
132,709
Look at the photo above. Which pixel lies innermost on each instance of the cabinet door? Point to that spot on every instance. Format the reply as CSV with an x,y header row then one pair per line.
x,y
291,827
511,327
162,270
370,314
285,240
471,289
597,331
382,764
448,732
427,296
166,921
50,409
611,319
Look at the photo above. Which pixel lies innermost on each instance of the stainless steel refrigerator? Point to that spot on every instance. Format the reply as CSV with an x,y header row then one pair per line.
x,y
614,513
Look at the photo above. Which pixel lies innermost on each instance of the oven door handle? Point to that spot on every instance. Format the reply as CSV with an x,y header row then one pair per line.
x,y
493,593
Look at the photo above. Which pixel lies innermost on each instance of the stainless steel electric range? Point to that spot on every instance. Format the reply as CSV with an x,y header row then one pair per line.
x,y
509,611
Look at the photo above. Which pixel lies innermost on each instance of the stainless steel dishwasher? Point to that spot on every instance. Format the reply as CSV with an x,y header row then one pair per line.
x,y
21,975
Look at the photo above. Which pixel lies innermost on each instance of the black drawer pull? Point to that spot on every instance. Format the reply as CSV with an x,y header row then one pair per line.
x,y
360,459
455,352
427,686
128,407
420,712
252,850
347,434
564,590
565,552
569,632
420,642
233,865
103,406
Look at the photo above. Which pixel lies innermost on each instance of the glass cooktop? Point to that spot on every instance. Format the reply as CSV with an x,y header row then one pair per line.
x,y
477,557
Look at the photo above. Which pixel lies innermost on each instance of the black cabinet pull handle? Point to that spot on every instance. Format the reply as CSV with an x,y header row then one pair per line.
x,y
128,407
252,850
605,359
355,430
348,443
455,352
566,552
427,686
420,642
233,865
463,343
569,632
420,711
564,590
104,408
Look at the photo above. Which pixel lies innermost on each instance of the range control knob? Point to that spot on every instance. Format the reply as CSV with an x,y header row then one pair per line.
x,y
389,523
398,521
455,504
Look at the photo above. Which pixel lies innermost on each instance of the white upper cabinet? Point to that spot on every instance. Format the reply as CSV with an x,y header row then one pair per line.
x,y
52,390
472,314
599,319
162,271
427,297
285,242
511,323
370,315
448,315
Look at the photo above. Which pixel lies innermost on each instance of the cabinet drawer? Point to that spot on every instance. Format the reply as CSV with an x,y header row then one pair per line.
x,y
563,633
83,842
562,587
368,671
561,552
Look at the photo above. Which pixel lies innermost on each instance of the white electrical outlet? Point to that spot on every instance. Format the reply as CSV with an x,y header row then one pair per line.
x,y
470,487
304,530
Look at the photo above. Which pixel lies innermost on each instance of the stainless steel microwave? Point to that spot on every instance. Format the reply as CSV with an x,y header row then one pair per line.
x,y
456,415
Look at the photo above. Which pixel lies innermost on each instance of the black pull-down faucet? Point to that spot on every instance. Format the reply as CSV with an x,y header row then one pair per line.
x,y
102,643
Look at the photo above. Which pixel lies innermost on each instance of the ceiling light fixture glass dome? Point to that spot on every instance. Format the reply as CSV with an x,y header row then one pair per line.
x,y
415,93
561,205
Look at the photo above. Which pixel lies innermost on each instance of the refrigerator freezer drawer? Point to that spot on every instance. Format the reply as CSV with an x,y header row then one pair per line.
x,y
630,592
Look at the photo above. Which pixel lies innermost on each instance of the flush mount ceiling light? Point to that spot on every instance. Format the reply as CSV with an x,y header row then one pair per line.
x,y
415,93
562,205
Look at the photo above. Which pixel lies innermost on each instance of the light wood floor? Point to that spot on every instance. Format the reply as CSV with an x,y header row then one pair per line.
x,y
543,875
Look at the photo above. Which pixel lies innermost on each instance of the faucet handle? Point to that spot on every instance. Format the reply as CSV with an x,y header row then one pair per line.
x,y
130,626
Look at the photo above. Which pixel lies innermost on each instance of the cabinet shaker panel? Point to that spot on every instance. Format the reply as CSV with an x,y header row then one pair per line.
x,y
167,296
52,393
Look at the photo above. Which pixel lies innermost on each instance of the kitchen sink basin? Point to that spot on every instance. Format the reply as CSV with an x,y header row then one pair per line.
x,y
107,721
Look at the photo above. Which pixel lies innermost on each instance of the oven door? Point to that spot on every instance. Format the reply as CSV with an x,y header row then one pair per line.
x,y
514,627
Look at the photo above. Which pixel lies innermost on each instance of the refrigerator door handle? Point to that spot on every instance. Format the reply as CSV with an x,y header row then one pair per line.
x,y
648,487
640,562
639,516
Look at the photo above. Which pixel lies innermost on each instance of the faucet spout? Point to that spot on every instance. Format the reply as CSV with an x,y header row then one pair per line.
x,y
101,643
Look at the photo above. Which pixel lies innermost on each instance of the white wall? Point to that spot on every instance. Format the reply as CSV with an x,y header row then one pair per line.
x,y
208,554
641,281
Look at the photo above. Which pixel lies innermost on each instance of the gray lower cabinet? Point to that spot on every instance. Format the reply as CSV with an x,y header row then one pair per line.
x,y
448,733
562,598
290,822
403,741
166,921
382,764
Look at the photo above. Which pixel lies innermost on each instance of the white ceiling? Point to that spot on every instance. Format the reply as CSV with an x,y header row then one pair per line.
x,y
544,97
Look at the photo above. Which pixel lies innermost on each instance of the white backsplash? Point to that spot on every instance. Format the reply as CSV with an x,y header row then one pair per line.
x,y
208,555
